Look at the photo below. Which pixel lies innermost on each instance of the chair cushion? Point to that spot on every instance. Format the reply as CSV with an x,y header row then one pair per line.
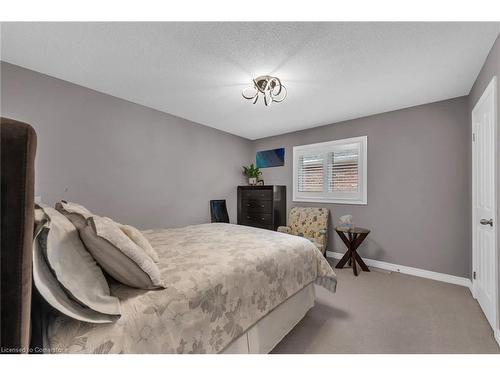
x,y
310,222
283,229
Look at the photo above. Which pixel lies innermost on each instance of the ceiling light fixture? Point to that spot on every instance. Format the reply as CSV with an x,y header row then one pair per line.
x,y
268,87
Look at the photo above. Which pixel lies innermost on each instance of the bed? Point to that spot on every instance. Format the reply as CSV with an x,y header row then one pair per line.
x,y
223,281
229,289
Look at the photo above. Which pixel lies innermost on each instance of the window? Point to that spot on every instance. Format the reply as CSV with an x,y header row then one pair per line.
x,y
331,172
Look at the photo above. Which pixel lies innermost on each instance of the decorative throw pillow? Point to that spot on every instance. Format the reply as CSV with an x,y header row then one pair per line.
x,y
66,274
118,255
75,212
40,216
40,220
50,289
135,235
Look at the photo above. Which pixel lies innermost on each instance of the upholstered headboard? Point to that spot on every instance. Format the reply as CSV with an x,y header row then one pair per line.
x,y
18,147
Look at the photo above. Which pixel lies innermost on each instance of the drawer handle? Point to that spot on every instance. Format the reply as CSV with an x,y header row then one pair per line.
x,y
262,205
262,218
248,217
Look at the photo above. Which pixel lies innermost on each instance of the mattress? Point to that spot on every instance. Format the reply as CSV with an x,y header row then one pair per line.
x,y
222,280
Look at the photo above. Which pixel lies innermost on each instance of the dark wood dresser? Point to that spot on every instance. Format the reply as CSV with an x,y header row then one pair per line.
x,y
262,206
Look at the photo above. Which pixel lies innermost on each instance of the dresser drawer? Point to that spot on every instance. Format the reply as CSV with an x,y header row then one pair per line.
x,y
257,220
259,206
262,206
257,194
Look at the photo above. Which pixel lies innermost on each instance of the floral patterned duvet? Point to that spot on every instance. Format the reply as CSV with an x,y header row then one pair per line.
x,y
221,279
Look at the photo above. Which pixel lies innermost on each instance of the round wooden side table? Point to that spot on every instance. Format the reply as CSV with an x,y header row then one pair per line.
x,y
352,238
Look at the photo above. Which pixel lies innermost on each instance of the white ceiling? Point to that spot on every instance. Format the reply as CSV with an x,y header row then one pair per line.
x,y
333,71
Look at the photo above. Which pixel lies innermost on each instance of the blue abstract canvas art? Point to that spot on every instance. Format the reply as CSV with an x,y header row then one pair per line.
x,y
270,158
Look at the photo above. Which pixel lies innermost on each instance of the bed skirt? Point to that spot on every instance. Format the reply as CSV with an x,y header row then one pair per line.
x,y
264,335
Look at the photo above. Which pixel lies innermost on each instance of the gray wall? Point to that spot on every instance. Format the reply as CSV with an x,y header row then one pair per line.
x,y
120,159
152,169
490,69
418,184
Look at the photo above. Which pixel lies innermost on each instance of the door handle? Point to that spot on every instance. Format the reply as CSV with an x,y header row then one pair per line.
x,y
486,222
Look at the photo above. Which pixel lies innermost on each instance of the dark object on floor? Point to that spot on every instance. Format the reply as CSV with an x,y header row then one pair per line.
x,y
262,206
218,211
18,147
355,237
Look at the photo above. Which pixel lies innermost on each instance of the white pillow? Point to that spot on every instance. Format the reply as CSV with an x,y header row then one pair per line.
x,y
67,276
118,255
135,235
40,220
50,289
75,212
78,215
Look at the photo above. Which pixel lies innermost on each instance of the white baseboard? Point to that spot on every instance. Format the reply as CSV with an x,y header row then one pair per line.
x,y
463,281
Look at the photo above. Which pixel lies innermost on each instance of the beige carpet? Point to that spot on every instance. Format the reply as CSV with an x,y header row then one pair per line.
x,y
381,312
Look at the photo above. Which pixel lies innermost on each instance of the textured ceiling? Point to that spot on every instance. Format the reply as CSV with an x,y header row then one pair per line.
x,y
333,71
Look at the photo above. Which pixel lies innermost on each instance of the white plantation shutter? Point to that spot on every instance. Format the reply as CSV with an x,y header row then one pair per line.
x,y
343,170
331,172
310,173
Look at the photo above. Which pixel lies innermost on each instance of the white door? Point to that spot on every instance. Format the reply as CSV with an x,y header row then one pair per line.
x,y
484,220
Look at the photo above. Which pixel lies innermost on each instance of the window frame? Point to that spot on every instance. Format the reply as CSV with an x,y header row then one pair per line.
x,y
358,198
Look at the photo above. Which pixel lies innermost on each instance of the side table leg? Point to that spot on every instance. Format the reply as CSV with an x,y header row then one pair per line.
x,y
345,258
354,268
361,263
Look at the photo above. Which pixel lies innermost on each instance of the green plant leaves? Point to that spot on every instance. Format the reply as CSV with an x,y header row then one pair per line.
x,y
252,171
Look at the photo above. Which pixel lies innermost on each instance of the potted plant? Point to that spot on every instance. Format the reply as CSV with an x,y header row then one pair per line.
x,y
253,173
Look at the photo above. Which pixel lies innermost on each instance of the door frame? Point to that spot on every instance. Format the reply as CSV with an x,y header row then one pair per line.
x,y
490,89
